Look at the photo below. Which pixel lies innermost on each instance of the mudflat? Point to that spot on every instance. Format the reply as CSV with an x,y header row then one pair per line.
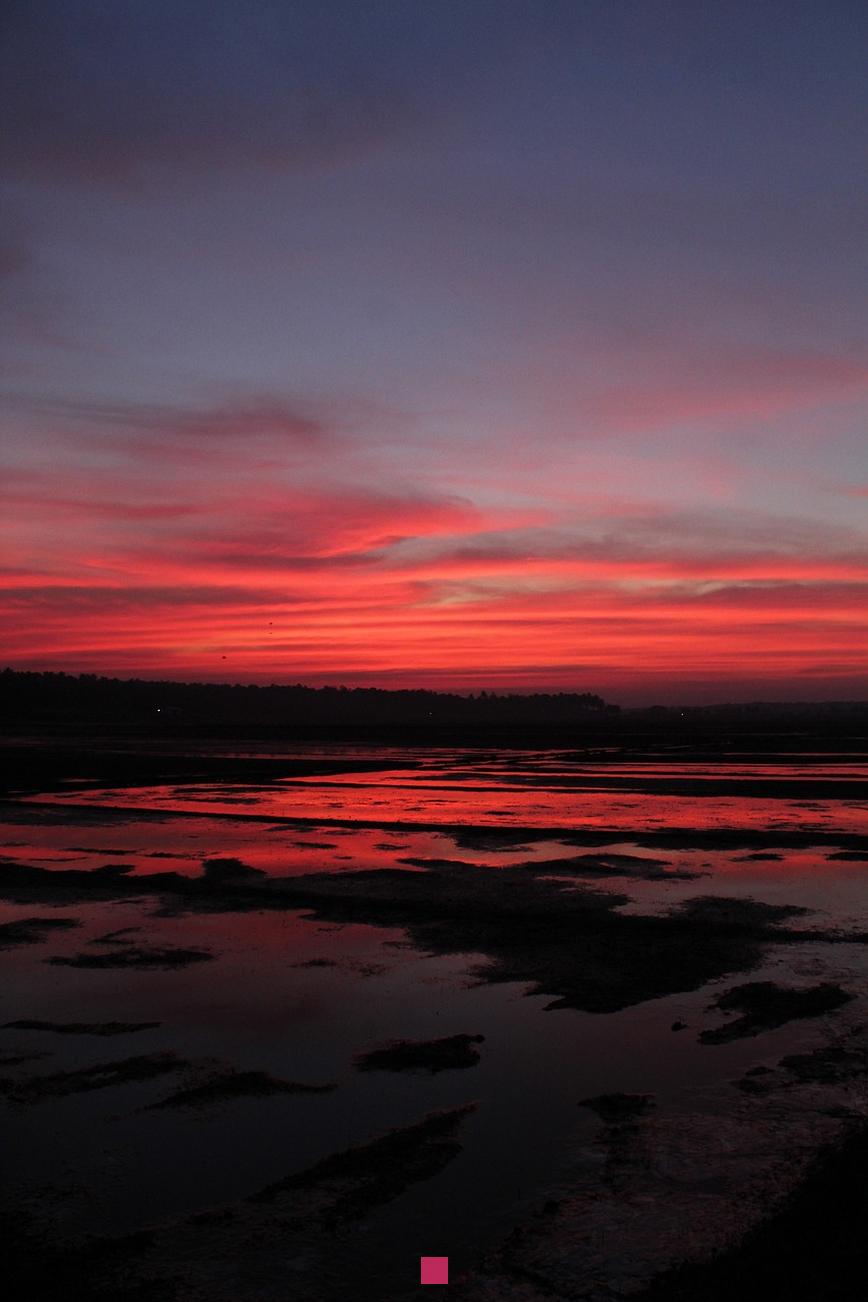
x,y
524,1008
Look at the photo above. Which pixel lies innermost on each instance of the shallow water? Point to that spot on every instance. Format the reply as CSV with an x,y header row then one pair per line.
x,y
290,994
537,789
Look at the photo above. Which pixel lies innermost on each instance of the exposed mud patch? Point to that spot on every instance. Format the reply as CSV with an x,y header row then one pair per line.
x,y
829,1065
843,1061
567,942
377,1172
136,957
32,931
494,838
24,883
612,865
765,1005
564,940
118,937
102,1075
217,871
80,1028
420,861
449,1053
232,1084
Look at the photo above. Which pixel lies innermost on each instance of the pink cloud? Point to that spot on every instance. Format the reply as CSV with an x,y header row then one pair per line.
x,y
674,385
128,568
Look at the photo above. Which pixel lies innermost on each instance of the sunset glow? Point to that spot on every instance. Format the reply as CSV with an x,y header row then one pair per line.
x,y
521,350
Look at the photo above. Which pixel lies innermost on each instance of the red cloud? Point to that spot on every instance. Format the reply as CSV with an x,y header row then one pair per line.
x,y
733,386
285,580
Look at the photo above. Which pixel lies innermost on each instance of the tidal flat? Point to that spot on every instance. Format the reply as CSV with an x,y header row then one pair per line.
x,y
278,1020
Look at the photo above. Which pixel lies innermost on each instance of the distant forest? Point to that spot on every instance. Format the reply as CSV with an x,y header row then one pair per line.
x,y
87,703
71,698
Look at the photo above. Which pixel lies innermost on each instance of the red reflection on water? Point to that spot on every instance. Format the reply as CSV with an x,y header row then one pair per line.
x,y
392,799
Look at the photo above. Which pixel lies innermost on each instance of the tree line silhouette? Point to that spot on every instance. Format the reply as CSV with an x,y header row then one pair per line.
x,y
60,697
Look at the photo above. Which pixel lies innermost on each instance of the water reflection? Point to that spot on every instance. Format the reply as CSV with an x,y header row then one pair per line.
x,y
288,994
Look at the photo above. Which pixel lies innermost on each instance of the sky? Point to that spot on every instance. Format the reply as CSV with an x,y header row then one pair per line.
x,y
480,344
